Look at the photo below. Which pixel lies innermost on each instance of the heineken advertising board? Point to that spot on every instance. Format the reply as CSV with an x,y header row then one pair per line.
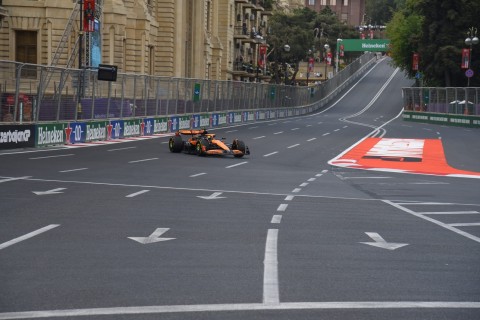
x,y
365,44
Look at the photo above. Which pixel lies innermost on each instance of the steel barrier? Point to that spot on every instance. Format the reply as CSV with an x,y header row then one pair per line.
x,y
37,94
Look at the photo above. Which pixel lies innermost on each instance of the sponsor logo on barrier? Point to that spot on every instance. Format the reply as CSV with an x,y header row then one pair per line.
x,y
160,125
131,128
15,136
50,134
96,132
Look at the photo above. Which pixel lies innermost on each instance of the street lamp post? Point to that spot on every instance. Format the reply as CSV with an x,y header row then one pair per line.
x,y
326,46
470,41
336,58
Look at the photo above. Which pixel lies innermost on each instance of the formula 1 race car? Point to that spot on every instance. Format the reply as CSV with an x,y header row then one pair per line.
x,y
203,143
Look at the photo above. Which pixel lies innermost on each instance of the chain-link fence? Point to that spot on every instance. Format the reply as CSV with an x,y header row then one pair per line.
x,y
35,93
464,101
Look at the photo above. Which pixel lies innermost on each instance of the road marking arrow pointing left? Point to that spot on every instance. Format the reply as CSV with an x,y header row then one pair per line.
x,y
154,237
213,196
53,191
381,243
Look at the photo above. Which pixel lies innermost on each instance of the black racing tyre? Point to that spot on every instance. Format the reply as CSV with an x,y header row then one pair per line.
x,y
175,144
199,147
239,145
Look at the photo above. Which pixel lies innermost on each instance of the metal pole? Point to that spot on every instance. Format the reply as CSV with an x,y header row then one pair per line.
x,y
80,52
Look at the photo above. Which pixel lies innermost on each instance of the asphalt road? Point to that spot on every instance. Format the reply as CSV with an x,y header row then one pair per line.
x,y
132,231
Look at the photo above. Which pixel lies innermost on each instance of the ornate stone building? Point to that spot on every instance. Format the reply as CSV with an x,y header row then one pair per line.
x,y
350,11
206,39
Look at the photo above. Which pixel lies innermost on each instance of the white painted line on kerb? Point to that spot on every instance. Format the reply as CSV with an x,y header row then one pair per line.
x,y
238,307
270,271
118,149
71,170
256,138
57,156
197,175
282,207
27,236
289,198
270,154
276,218
311,139
136,193
293,146
450,212
143,160
237,164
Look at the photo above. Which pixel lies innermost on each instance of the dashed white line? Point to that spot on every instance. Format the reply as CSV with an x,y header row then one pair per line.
x,y
304,184
294,129
14,179
27,236
261,137
57,156
197,175
336,130
311,139
289,198
325,134
279,132
118,149
276,218
270,154
296,190
230,131
282,207
311,179
143,160
236,165
71,170
136,193
253,127
293,146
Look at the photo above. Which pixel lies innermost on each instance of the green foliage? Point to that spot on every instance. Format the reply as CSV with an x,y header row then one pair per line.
x,y
436,29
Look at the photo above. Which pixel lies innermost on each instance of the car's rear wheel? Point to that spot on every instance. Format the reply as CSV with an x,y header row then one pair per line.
x,y
200,147
239,145
175,144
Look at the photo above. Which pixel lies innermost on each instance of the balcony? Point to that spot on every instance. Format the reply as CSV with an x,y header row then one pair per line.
x,y
3,11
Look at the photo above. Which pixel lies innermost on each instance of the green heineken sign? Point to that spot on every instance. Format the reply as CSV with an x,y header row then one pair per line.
x,y
365,44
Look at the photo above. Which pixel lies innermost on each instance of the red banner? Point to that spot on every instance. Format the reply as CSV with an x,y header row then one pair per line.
x,y
465,58
342,50
262,55
311,64
415,61
88,15
329,58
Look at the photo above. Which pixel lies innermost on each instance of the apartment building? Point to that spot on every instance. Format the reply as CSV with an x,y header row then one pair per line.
x,y
349,11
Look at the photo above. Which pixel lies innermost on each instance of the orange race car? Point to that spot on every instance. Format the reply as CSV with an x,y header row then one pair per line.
x,y
203,143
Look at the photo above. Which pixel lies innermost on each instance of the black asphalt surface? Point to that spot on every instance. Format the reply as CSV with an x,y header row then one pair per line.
x,y
85,266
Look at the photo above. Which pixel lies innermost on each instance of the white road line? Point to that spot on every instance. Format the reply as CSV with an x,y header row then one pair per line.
x,y
282,207
324,171
71,170
304,184
311,179
289,198
450,212
439,223
197,175
293,146
276,218
230,131
336,130
118,149
333,305
14,179
472,224
345,127
270,271
311,139
325,134
261,137
294,129
136,193
349,178
270,154
278,132
27,236
296,190
237,164
253,127
319,175
143,160
57,156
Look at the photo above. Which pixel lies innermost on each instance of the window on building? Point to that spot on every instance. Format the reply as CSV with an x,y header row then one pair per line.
x,y
324,2
311,2
345,2
26,51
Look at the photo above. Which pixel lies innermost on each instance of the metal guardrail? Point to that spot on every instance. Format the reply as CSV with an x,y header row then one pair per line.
x,y
74,94
456,101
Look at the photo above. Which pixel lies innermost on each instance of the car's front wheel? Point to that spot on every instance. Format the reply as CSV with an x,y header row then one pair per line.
x,y
175,144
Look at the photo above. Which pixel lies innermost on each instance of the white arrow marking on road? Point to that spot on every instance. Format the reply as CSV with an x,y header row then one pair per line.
x,y
154,237
53,191
213,196
381,243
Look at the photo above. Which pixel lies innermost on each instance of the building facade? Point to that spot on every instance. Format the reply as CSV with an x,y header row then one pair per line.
x,y
205,39
350,11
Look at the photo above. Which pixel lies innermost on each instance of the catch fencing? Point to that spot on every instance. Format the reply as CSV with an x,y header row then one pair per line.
x,y
36,94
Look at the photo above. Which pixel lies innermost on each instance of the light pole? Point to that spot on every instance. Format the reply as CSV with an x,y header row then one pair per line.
x,y
336,58
309,64
326,46
470,41
286,48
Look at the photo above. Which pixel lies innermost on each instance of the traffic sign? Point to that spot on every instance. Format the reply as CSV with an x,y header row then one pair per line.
x,y
469,73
